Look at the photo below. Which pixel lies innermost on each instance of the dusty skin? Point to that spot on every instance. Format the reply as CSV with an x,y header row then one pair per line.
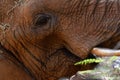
x,y
42,39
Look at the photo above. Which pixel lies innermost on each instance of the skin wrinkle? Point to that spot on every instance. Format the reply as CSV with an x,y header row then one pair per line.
x,y
19,62
12,48
85,38
77,22
101,20
28,41
100,23
22,56
30,53
17,40
118,5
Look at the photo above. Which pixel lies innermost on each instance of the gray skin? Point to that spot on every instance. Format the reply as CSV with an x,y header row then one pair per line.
x,y
39,28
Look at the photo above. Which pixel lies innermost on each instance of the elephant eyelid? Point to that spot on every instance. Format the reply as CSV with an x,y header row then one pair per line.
x,y
42,19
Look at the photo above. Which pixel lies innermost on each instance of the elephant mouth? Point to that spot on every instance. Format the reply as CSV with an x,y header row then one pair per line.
x,y
100,50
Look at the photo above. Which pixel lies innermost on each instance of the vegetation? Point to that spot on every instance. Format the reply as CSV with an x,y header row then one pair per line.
x,y
97,60
107,69
89,61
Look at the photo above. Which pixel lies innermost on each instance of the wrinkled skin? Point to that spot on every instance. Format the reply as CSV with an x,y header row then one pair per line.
x,y
43,33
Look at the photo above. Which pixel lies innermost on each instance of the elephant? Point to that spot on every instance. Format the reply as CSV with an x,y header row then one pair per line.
x,y
44,38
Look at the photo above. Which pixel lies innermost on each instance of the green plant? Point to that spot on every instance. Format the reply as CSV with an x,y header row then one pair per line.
x,y
97,60
89,61
104,70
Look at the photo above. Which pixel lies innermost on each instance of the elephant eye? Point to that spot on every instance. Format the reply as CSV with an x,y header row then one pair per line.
x,y
42,20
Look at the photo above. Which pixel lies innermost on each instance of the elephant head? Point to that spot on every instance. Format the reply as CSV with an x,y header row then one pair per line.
x,y
42,33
